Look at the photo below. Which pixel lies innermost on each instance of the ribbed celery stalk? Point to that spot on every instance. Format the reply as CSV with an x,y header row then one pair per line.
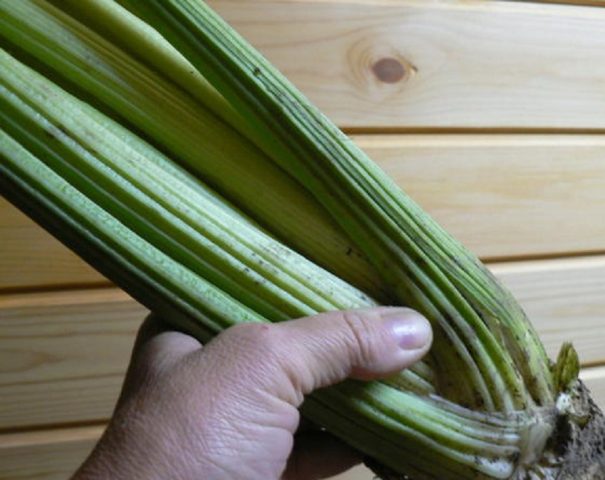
x,y
169,205
168,231
110,20
500,364
162,203
423,264
174,121
488,405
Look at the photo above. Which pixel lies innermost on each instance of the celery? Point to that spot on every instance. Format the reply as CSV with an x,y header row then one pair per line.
x,y
136,205
182,226
94,67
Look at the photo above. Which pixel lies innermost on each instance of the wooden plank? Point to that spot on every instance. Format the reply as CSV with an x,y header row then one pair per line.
x,y
504,195
594,378
55,454
565,300
45,455
29,257
501,195
357,473
63,354
416,64
588,3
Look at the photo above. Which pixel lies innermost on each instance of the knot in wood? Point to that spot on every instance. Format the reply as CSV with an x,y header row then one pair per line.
x,y
389,70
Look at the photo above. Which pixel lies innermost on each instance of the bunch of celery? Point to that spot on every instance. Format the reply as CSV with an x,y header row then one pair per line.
x,y
167,152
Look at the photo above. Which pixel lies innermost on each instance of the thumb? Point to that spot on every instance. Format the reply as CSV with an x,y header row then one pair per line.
x,y
324,349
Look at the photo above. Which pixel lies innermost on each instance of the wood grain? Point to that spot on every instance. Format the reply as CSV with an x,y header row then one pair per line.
x,y
31,258
45,455
502,65
504,195
62,355
55,454
501,195
594,378
589,3
565,300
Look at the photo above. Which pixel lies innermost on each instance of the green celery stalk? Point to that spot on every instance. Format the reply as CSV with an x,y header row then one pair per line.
x,y
420,262
87,63
246,186
128,204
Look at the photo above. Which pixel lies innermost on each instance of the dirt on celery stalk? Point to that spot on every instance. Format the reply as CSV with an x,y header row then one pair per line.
x,y
575,450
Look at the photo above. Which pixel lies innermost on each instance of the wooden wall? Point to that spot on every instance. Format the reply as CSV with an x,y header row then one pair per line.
x,y
490,114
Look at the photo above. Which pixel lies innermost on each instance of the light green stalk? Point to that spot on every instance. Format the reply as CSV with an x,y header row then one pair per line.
x,y
165,234
476,320
175,121
110,20
126,204
163,204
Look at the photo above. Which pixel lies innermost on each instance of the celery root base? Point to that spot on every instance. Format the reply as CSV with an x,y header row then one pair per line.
x,y
575,450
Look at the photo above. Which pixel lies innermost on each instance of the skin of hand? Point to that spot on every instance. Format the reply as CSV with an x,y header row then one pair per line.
x,y
229,410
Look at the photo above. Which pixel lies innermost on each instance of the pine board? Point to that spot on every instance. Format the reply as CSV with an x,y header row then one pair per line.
x,y
45,455
63,354
31,258
412,64
594,378
504,195
501,195
55,454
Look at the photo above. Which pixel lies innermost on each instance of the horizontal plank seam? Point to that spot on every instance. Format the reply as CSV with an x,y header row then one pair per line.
x,y
542,257
67,287
389,130
571,3
60,287
594,365
34,429
62,379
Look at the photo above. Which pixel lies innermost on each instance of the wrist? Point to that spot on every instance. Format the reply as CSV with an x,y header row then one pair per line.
x,y
118,455
105,462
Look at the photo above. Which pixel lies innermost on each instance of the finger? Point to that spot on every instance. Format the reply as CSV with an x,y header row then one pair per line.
x,y
363,344
158,338
319,455
157,345
324,349
151,326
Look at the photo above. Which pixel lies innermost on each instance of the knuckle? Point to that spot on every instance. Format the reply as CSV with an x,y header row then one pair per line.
x,y
256,342
265,352
362,339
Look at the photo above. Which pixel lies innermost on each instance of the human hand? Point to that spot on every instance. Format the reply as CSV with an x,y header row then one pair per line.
x,y
229,410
